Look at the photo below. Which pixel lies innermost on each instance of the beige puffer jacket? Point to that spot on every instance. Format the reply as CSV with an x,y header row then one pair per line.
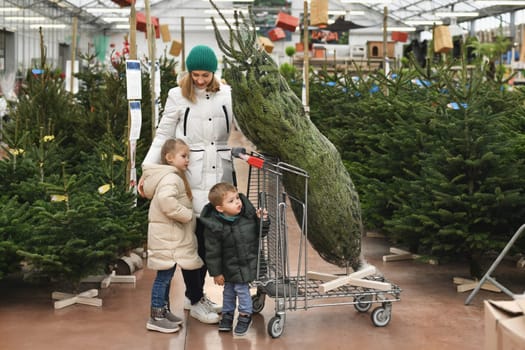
x,y
171,228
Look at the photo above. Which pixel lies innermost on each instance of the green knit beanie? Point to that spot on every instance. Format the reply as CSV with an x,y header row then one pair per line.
x,y
201,57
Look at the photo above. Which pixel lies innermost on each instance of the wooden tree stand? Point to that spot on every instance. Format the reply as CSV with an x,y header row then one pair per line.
x,y
86,298
465,284
354,279
400,254
106,280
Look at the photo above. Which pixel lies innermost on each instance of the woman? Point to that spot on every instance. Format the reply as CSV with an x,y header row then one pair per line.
x,y
199,111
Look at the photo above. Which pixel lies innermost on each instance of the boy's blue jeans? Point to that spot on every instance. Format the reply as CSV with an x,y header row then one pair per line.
x,y
234,291
160,292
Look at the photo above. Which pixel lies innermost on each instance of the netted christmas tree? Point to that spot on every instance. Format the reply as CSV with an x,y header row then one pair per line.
x,y
273,118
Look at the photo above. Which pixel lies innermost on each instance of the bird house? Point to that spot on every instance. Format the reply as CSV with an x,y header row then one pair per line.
x,y
123,3
442,39
142,25
276,34
165,33
266,44
176,47
318,12
286,21
400,36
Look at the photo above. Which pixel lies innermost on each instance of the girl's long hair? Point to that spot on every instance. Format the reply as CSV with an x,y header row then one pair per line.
x,y
176,145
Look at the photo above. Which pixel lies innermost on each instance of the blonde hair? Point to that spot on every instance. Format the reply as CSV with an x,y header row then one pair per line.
x,y
174,146
218,191
188,91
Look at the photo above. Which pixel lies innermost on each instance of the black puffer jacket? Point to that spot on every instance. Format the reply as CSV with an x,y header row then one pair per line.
x,y
232,247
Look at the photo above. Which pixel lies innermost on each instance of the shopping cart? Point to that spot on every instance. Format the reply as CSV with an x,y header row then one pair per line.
x,y
302,289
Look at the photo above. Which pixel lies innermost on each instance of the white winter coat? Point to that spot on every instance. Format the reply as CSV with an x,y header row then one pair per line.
x,y
205,126
171,228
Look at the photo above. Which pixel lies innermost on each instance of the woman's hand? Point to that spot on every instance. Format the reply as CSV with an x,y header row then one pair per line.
x,y
219,280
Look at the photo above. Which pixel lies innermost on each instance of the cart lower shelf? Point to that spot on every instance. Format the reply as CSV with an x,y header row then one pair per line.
x,y
301,293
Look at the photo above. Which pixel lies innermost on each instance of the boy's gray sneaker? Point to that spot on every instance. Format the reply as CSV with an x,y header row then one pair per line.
x,y
243,324
162,325
226,324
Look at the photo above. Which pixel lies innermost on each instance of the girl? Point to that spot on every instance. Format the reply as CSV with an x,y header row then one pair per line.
x,y
171,237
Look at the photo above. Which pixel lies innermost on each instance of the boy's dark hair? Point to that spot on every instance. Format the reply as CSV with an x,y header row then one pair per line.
x,y
218,191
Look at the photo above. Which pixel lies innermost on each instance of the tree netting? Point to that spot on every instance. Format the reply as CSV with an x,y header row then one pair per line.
x,y
272,117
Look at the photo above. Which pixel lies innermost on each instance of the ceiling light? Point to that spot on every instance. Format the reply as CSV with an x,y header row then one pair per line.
x,y
115,19
9,9
25,19
500,2
400,29
417,22
456,14
36,26
229,20
226,11
231,0
107,10
225,28
366,2
337,13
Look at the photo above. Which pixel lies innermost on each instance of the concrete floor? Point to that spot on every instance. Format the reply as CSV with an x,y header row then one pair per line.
x,y
431,314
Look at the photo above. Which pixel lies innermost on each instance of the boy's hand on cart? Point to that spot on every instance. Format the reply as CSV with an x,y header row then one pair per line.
x,y
219,280
262,213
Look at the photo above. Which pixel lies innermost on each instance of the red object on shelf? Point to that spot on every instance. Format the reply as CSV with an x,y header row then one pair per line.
x,y
276,34
123,3
286,21
142,25
400,36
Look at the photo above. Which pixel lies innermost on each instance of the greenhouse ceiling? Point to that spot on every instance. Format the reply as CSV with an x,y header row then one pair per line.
x,y
400,12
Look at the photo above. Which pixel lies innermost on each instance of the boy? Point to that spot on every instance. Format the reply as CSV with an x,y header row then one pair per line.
x,y
231,229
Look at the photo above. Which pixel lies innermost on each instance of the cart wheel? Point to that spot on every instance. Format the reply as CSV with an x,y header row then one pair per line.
x,y
258,302
275,327
363,303
380,316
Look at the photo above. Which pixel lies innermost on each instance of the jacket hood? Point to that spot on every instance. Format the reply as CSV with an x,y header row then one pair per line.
x,y
209,211
153,174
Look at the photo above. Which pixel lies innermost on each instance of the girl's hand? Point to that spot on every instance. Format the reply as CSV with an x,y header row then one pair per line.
x,y
140,187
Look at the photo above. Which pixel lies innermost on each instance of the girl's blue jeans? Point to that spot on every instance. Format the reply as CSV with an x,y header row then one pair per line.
x,y
160,292
237,291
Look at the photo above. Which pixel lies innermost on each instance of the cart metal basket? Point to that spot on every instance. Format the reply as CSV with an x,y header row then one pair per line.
x,y
303,289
